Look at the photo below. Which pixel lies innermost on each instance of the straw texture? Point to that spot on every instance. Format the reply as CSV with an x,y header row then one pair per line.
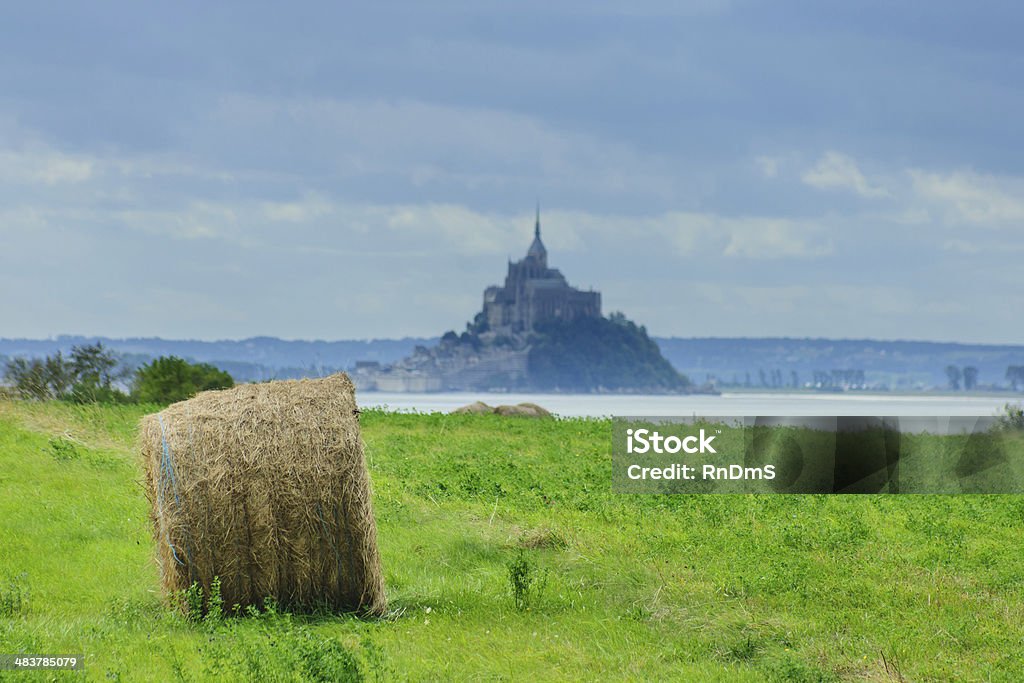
x,y
266,487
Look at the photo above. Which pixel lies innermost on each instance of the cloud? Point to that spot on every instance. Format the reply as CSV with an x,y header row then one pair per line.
x,y
43,165
962,246
856,302
972,198
768,166
840,172
316,223
195,220
430,146
310,207
747,237
459,227
707,234
771,238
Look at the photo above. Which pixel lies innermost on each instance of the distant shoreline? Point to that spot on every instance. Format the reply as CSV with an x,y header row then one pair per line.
x,y
903,366
726,405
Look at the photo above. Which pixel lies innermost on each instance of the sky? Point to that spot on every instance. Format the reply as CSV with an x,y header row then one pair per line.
x,y
363,170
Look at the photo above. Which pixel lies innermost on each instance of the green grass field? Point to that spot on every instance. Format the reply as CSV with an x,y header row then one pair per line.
x,y
799,588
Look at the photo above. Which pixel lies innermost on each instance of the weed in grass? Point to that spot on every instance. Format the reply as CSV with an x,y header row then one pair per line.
x,y
198,607
543,538
792,670
191,602
892,667
215,605
176,665
272,646
745,649
326,659
63,449
14,595
526,580
376,661
126,614
638,612
825,533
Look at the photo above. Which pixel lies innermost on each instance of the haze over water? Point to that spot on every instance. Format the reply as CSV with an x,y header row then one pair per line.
x,y
727,404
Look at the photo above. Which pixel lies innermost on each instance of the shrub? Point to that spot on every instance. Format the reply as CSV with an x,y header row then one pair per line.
x,y
170,379
1012,417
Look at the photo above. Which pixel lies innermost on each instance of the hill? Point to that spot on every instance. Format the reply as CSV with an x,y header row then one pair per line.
x,y
599,354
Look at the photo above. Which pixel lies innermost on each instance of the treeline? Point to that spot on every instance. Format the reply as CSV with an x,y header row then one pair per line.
x,y
93,373
842,378
967,377
958,378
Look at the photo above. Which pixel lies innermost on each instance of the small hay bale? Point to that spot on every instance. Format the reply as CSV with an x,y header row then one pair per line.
x,y
266,487
474,408
522,410
538,411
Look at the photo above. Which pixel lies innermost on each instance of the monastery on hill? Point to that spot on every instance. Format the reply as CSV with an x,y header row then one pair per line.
x,y
495,356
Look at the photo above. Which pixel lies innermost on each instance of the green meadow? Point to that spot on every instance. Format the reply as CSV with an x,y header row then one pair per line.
x,y
508,558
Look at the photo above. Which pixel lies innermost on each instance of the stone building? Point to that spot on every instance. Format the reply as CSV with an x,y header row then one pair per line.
x,y
534,293
497,356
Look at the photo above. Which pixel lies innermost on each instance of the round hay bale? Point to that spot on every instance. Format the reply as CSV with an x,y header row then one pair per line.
x,y
474,408
265,486
537,410
523,410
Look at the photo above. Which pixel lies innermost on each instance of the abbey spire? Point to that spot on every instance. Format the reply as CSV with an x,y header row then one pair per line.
x,y
537,252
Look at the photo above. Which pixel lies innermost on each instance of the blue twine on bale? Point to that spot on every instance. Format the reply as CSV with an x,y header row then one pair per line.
x,y
168,477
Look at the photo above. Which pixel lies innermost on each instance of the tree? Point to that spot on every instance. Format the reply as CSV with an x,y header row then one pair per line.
x,y
168,379
28,377
59,374
87,376
479,324
1015,375
94,369
953,373
970,377
467,339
